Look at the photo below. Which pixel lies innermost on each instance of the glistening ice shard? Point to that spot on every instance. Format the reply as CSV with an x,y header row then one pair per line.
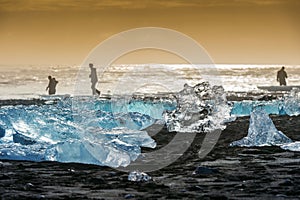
x,y
50,132
262,131
201,108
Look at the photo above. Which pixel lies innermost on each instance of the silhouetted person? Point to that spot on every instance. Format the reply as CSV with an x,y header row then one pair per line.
x,y
51,85
281,76
94,79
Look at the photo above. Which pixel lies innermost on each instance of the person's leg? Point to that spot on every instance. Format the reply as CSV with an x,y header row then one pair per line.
x,y
93,88
282,82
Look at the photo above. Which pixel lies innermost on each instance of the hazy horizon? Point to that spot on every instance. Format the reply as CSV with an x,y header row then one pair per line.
x,y
232,32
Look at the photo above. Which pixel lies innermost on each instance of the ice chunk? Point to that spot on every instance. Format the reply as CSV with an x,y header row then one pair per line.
x,y
115,148
56,132
262,131
4,120
289,105
205,170
292,102
294,146
154,109
244,108
122,112
16,151
137,176
133,120
87,152
199,108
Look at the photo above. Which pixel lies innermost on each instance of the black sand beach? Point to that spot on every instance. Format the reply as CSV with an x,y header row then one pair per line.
x,y
225,173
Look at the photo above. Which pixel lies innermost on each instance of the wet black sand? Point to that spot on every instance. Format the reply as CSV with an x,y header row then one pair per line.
x,y
227,173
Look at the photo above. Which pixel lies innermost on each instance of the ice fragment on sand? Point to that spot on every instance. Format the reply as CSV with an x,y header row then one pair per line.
x,y
112,149
294,146
89,153
137,176
50,132
199,108
262,131
205,170
292,103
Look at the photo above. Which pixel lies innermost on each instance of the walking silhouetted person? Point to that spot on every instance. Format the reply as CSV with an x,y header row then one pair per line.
x,y
51,85
281,76
94,79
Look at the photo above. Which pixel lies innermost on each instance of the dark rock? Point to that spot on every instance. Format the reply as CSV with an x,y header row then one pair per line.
x,y
287,182
205,170
28,186
195,188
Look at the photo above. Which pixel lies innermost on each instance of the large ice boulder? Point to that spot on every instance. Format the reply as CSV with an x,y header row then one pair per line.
x,y
56,132
202,108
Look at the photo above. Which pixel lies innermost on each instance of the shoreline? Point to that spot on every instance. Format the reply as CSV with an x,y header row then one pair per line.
x,y
231,96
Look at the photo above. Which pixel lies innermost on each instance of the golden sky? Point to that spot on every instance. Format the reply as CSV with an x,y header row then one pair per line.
x,y
232,31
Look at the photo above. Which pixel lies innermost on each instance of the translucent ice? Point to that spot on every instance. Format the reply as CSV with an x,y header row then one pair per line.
x,y
199,108
244,108
117,149
292,102
137,176
56,132
262,131
294,146
288,105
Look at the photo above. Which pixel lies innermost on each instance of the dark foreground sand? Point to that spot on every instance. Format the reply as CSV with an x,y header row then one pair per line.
x,y
229,173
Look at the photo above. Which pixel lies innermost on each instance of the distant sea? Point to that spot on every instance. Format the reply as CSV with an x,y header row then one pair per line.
x,y
30,81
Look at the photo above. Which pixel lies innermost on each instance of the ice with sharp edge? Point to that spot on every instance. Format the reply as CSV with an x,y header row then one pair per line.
x,y
262,131
201,108
95,135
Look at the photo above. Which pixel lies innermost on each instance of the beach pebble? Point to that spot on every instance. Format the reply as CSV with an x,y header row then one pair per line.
x,y
205,170
129,196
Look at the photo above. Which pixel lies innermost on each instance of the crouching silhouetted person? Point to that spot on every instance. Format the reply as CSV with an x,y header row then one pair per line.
x,y
51,85
281,76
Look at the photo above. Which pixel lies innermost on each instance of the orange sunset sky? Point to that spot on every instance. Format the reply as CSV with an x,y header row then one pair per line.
x,y
232,31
